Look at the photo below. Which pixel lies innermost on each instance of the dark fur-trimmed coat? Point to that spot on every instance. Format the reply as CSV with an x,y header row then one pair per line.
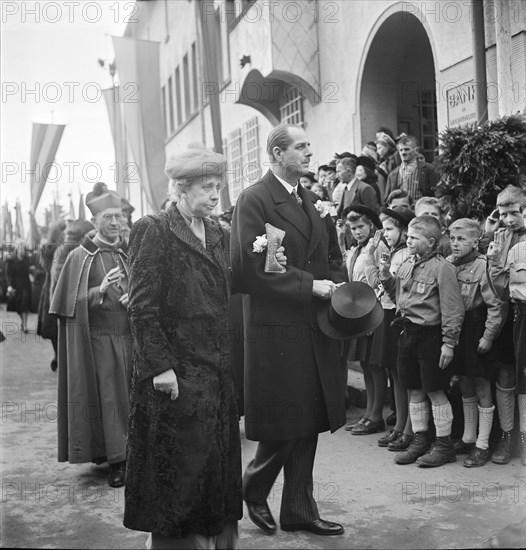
x,y
184,456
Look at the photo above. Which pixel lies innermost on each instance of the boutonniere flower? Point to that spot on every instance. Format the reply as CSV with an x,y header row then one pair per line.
x,y
323,207
260,244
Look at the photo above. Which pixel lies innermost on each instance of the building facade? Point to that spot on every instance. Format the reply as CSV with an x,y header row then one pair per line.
x,y
342,68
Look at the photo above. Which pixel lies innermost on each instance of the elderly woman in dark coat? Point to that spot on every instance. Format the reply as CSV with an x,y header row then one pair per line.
x,y
183,480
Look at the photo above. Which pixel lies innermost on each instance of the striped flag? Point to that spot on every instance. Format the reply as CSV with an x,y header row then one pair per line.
x,y
44,144
212,45
113,98
140,84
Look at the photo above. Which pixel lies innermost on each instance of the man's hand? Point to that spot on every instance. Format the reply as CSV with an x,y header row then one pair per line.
x,y
484,345
323,289
446,354
167,383
113,277
280,256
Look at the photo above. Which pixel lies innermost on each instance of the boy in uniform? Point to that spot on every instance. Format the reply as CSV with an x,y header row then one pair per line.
x,y
431,311
507,261
482,323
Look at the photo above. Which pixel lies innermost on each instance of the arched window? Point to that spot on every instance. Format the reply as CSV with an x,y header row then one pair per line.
x,y
291,106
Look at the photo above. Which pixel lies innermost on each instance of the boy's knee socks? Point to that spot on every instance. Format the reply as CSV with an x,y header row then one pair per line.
x,y
471,417
419,413
506,407
443,417
485,424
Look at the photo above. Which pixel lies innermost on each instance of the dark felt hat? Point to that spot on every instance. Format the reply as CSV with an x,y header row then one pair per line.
x,y
360,209
353,311
366,162
345,155
331,165
401,213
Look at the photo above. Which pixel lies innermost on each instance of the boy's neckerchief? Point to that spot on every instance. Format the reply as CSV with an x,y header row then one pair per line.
x,y
467,258
397,247
425,258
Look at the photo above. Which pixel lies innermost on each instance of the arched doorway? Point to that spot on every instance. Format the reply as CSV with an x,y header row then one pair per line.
x,y
398,87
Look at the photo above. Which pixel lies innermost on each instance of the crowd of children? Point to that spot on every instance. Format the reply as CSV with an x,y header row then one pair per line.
x,y
454,300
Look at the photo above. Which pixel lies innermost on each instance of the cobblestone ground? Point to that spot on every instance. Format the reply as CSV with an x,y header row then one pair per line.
x,y
46,504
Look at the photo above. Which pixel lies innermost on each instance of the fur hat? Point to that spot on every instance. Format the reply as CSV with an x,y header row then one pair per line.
x,y
195,162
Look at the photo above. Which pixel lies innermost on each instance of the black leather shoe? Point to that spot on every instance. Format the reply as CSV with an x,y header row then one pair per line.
x,y
369,427
463,448
389,437
261,515
400,444
318,527
117,474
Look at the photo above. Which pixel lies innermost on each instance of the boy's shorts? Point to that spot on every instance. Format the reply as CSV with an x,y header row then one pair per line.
x,y
519,341
467,361
419,349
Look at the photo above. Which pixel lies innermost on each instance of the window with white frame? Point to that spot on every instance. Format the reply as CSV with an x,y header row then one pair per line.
x,y
251,166
235,158
291,106
242,151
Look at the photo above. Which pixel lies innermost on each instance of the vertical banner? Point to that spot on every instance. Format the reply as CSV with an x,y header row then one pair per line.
x,y
7,224
209,17
82,211
71,213
113,98
45,140
140,89
34,233
19,223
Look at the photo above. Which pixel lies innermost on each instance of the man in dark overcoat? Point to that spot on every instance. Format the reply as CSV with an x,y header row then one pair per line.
x,y
293,384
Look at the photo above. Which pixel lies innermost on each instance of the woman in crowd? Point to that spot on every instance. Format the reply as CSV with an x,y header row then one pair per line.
x,y
364,223
18,283
183,481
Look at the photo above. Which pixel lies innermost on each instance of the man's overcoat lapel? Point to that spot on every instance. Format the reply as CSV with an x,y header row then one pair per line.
x,y
286,206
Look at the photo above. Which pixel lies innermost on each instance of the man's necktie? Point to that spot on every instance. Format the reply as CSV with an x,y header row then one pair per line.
x,y
296,196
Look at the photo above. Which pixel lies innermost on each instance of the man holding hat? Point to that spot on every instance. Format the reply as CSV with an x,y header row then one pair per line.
x,y
293,381
94,355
